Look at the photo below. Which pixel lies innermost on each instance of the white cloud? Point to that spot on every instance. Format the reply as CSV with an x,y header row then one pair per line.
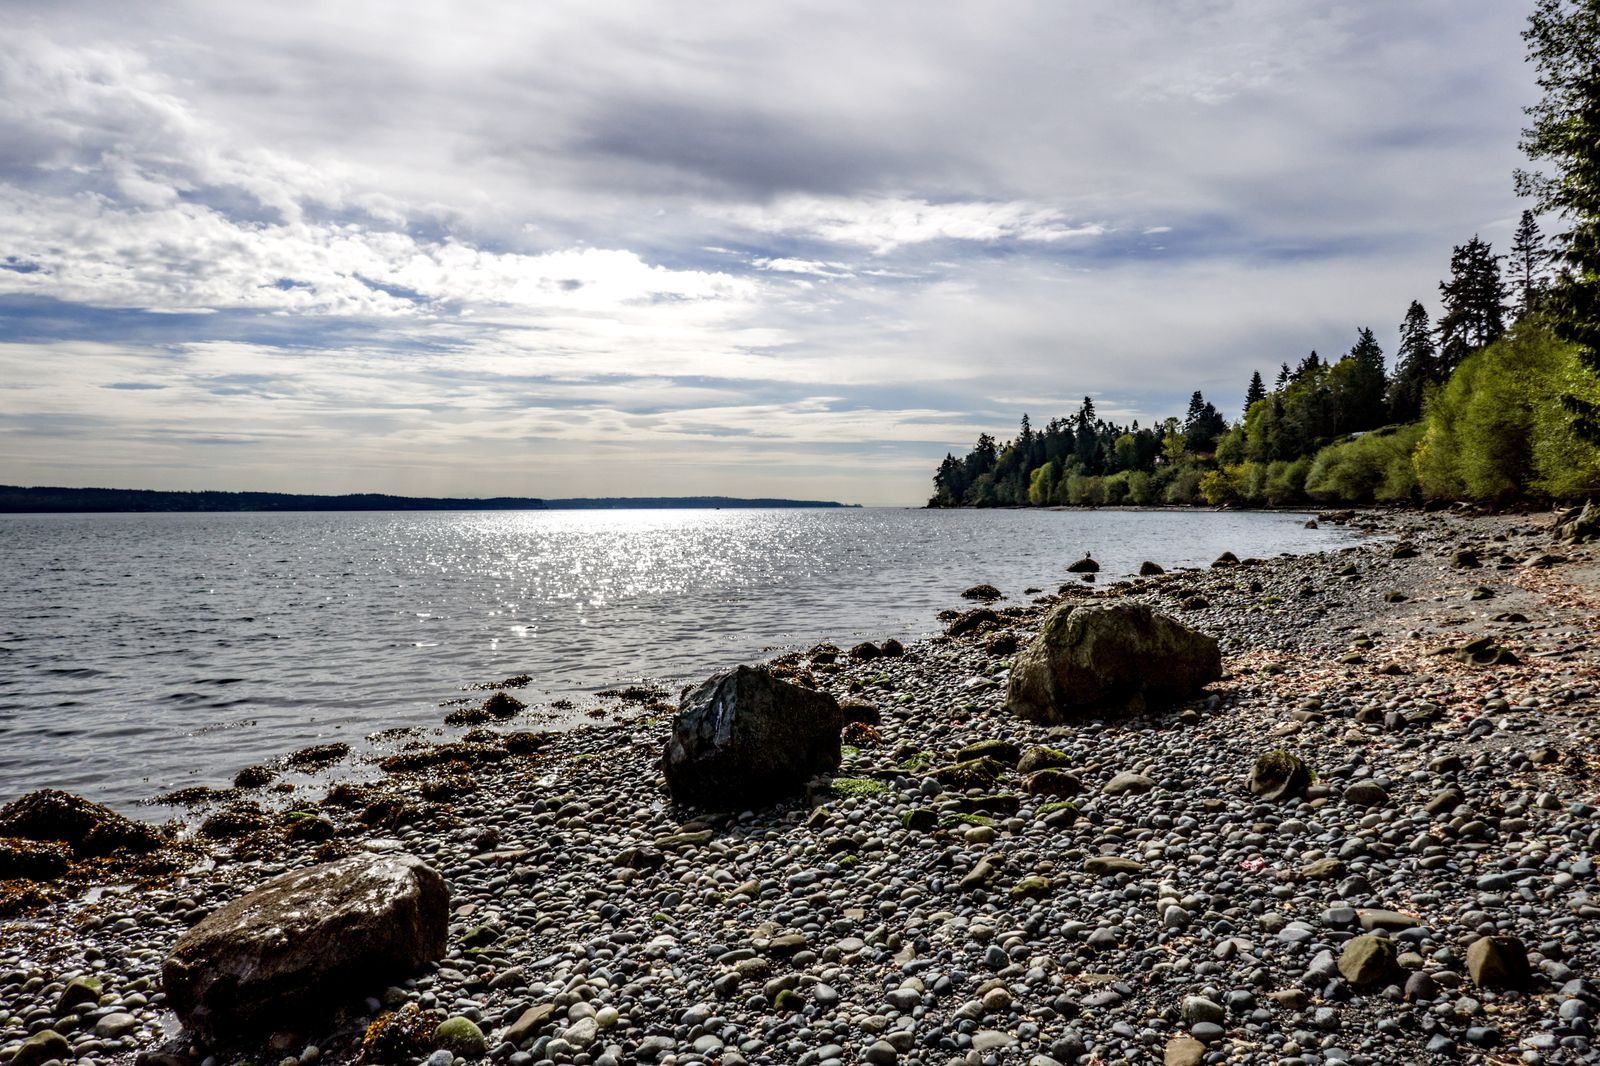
x,y
883,225
635,227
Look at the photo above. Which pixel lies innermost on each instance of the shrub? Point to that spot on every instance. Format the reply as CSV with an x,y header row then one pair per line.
x,y
1496,430
1374,466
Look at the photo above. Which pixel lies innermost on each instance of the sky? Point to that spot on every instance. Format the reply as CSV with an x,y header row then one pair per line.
x,y
752,249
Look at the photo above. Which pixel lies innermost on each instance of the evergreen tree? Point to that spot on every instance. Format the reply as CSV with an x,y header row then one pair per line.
x,y
1255,392
1202,425
1311,364
1283,378
1358,381
1527,263
1563,38
1416,366
1474,302
1085,448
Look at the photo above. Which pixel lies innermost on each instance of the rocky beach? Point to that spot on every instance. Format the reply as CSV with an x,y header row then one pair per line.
x,y
1371,841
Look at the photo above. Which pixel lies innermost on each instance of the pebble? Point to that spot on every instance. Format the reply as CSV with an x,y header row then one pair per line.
x,y
1170,914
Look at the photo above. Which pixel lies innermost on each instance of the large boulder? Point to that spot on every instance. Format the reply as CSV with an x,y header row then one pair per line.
x,y
305,942
743,738
1114,657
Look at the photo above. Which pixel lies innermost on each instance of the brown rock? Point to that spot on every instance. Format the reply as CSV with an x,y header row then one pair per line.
x,y
1499,962
306,941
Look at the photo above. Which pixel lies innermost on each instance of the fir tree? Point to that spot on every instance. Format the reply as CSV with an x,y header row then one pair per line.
x,y
1360,386
1527,263
1256,391
1474,302
1416,366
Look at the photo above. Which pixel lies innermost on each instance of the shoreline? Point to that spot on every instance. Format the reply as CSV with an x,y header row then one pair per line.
x,y
897,946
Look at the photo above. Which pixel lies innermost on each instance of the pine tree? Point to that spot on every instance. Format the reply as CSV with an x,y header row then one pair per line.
x,y
1255,391
1527,263
1563,38
1416,366
1283,378
1474,302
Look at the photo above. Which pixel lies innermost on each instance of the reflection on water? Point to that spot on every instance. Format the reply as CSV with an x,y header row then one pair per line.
x,y
143,652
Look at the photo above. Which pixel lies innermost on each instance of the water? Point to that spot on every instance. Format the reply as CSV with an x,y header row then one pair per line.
x,y
140,653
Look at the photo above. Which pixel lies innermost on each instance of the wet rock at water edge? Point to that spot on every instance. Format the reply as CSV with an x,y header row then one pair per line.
x,y
1149,569
982,593
306,941
1102,658
1086,565
745,738
88,829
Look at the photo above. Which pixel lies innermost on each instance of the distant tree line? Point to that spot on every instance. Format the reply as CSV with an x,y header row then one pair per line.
x,y
1472,408
1497,400
17,499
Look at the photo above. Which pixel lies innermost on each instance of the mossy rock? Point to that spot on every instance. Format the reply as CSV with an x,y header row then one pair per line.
x,y
1052,808
1278,775
1369,960
1031,888
995,803
1003,751
479,936
788,1000
950,821
920,819
460,1036
917,762
976,773
848,787
1040,757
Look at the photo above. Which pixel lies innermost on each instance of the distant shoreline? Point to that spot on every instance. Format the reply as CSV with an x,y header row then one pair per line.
x,y
16,499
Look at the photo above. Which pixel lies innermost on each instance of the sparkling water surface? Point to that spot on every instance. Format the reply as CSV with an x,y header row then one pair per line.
x,y
140,653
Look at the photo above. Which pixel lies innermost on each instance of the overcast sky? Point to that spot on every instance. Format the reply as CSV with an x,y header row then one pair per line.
x,y
610,248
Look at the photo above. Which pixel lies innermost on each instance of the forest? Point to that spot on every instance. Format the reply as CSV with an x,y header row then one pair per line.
x,y
1497,400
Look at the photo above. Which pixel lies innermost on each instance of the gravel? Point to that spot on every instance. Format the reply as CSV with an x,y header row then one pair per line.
x,y
893,919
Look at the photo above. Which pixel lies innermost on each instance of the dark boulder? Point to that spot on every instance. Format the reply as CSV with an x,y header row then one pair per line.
x,y
1149,569
982,593
1085,565
90,830
306,942
1101,658
744,738
976,620
866,650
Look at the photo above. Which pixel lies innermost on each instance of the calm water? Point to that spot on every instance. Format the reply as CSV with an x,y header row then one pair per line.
x,y
140,653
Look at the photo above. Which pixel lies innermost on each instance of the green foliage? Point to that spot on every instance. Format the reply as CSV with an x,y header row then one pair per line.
x,y
1494,431
1184,486
1375,466
1563,38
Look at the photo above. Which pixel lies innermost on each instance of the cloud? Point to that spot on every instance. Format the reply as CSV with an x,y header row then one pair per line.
x,y
816,244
